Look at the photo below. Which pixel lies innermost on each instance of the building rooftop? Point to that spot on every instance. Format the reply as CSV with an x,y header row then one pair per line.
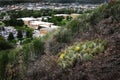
x,y
27,19
40,23
62,15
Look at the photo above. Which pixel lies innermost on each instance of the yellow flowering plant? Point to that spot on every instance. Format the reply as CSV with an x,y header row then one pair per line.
x,y
62,56
77,48
82,51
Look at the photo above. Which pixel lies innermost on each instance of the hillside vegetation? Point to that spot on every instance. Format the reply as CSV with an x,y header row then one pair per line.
x,y
87,48
67,57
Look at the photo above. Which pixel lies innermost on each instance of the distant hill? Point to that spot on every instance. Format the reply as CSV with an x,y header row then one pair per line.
x,y
9,2
6,2
80,1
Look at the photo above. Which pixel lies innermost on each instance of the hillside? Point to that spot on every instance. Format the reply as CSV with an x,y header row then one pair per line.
x,y
101,24
87,48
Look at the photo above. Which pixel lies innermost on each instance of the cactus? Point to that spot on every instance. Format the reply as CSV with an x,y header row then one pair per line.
x,y
87,57
84,51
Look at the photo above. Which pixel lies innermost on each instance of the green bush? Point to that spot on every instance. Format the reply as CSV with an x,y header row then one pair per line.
x,y
4,45
19,57
26,40
115,10
73,25
38,46
27,53
79,25
4,59
10,37
63,36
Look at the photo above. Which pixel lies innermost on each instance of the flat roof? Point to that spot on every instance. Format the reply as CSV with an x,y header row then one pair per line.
x,y
47,26
27,19
40,23
62,15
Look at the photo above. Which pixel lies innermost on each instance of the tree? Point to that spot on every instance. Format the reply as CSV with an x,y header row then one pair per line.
x,y
19,35
4,45
6,22
10,37
29,34
13,22
2,29
19,23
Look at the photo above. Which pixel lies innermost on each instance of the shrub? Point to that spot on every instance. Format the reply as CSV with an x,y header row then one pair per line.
x,y
38,46
4,45
73,25
63,36
19,35
27,52
93,19
115,10
11,36
27,40
3,63
29,33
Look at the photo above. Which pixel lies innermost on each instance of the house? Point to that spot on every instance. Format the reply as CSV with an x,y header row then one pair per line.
x,y
64,15
36,33
47,28
43,29
40,28
27,20
74,15
35,24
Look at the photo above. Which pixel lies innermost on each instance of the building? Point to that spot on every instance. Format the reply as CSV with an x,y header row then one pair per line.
x,y
74,15
64,15
35,24
40,28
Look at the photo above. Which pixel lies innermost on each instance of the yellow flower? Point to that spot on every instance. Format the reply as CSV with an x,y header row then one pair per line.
x,y
77,48
62,56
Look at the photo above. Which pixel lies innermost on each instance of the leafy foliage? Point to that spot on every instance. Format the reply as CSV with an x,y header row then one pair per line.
x,y
3,63
38,46
13,22
63,36
11,37
19,35
5,44
18,58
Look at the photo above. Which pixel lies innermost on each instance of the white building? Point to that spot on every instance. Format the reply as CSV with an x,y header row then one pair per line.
x,y
40,28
